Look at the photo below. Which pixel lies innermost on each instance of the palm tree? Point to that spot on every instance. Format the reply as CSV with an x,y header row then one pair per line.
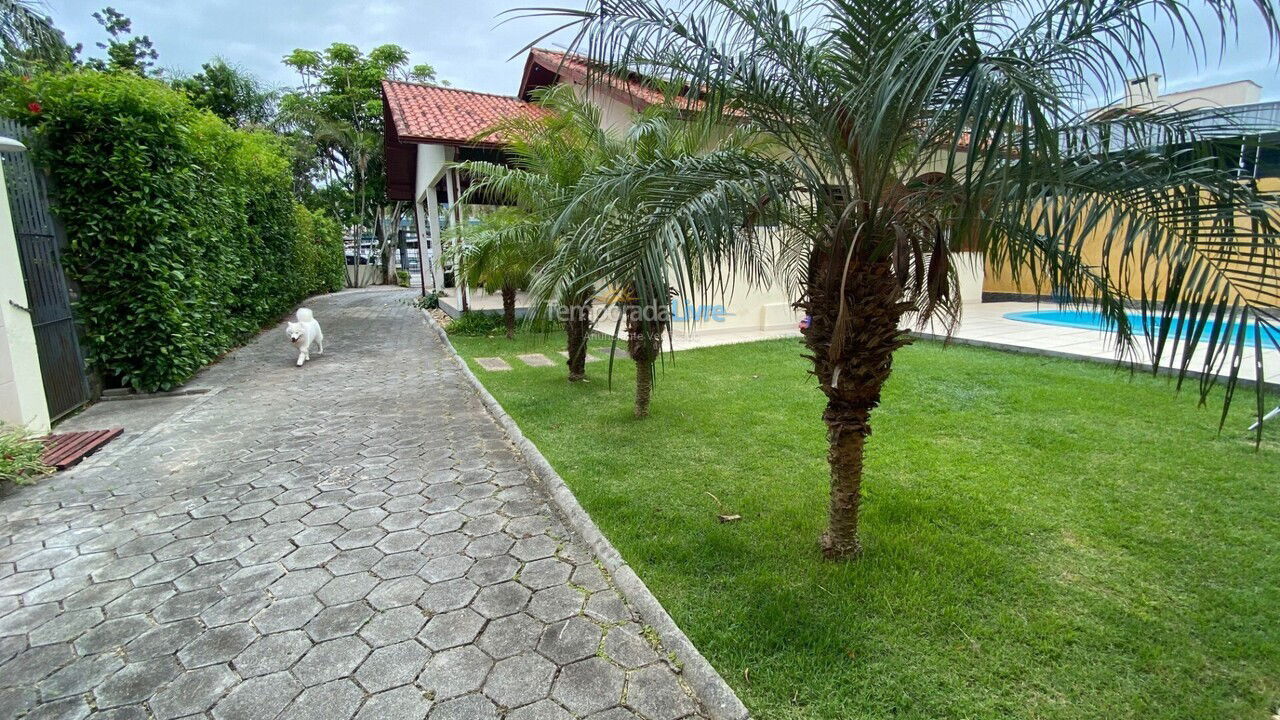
x,y
500,254
553,152
640,282
26,34
550,151
904,130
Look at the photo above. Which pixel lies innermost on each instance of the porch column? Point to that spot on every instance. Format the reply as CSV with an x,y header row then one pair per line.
x,y
451,179
425,264
437,247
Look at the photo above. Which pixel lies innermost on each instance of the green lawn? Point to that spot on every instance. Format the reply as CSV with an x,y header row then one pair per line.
x,y
1043,538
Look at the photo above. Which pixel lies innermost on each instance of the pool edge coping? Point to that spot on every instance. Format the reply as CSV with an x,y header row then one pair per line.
x,y
1120,363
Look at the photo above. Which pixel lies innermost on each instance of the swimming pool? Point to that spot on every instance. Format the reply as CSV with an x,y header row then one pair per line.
x,y
1092,320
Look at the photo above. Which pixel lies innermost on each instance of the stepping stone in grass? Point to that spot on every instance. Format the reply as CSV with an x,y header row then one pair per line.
x,y
493,364
589,357
535,360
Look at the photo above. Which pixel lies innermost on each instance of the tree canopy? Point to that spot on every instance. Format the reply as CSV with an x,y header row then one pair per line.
x,y
231,93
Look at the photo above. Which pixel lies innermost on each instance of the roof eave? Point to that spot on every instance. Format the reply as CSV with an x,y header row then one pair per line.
x,y
523,91
424,140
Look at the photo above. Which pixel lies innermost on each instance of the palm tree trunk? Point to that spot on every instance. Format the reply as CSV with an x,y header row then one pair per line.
x,y
577,327
844,456
644,386
852,365
644,345
509,310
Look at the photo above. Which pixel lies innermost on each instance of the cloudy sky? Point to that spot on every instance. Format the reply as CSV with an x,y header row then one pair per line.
x,y
463,39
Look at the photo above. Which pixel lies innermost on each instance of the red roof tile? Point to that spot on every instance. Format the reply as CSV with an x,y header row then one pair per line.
x,y
576,68
632,89
429,113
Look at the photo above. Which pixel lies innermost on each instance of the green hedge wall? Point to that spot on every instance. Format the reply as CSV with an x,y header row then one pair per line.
x,y
183,234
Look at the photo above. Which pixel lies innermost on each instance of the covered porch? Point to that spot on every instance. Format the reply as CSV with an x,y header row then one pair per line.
x,y
428,129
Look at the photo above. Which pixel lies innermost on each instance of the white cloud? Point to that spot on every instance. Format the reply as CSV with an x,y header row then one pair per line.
x,y
458,38
463,39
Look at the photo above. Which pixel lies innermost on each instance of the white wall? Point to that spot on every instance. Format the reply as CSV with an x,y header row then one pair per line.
x,y
744,307
769,308
750,307
972,272
615,114
1241,92
431,166
21,387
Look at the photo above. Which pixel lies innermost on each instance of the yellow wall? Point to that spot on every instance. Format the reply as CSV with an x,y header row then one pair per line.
x,y
1002,282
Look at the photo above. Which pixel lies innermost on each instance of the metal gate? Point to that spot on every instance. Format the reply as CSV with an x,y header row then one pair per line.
x,y
40,238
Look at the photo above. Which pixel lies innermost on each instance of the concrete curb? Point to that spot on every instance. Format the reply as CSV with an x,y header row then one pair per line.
x,y
717,698
1120,364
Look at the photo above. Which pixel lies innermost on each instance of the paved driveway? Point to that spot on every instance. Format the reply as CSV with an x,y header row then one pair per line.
x,y
352,539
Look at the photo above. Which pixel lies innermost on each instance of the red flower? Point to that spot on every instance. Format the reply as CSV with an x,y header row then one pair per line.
x,y
34,107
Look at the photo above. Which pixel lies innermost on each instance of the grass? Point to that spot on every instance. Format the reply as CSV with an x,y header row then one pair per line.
x,y
1043,538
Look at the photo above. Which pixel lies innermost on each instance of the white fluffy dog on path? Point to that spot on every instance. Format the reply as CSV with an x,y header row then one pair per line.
x,y
304,332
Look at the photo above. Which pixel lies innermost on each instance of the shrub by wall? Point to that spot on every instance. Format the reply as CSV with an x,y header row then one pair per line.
x,y
183,233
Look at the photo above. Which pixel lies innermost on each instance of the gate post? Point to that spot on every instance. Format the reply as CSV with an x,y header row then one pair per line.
x,y
22,400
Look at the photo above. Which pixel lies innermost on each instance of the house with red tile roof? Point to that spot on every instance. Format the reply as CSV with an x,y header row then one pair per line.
x,y
430,126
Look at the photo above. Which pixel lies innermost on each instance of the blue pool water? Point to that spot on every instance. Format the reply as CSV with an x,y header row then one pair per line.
x,y
1092,320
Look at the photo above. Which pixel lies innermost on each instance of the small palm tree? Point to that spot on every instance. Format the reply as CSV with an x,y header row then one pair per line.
x,y
904,130
550,151
500,254
640,282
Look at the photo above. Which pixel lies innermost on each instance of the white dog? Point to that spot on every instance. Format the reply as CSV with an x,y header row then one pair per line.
x,y
304,332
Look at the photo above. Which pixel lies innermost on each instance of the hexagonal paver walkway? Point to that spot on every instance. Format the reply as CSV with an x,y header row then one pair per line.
x,y
353,539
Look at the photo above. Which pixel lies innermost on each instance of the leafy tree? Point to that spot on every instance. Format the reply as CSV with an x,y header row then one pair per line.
x,y
335,116
229,92
125,52
905,130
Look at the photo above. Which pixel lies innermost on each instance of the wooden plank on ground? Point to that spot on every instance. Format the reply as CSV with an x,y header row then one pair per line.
x,y
66,449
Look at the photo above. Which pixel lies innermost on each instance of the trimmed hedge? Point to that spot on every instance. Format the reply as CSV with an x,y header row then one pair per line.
x,y
183,234
319,263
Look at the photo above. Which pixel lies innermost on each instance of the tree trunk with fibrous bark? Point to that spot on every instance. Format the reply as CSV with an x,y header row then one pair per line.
x,y
852,358
509,310
645,326
577,327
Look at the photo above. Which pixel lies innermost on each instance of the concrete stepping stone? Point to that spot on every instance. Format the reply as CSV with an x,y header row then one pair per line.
x,y
493,364
589,357
535,360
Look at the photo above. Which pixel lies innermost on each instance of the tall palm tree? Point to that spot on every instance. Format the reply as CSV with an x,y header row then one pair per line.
x,y
903,130
500,254
550,151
